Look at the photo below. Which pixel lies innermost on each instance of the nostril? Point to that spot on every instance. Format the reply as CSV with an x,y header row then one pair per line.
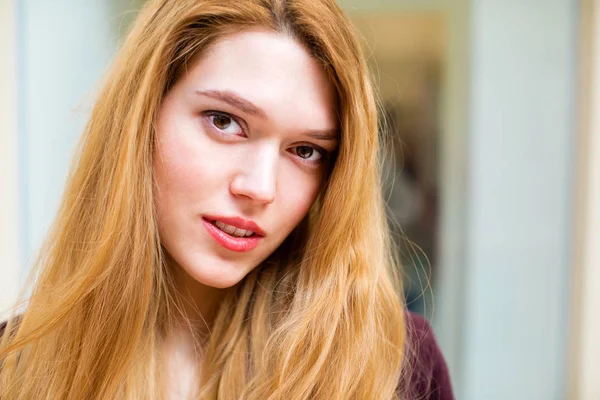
x,y
261,192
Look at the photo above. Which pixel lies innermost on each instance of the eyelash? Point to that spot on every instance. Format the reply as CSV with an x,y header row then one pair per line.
x,y
325,155
212,113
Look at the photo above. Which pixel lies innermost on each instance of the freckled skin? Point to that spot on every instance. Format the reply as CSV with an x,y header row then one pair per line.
x,y
241,165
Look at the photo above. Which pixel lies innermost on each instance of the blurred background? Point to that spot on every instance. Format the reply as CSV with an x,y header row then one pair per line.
x,y
494,110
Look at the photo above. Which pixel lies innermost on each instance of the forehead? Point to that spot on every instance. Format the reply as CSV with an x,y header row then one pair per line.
x,y
271,70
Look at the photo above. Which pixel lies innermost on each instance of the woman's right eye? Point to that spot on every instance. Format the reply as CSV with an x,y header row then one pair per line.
x,y
224,123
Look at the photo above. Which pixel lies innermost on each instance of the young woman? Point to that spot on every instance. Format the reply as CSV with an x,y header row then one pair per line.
x,y
223,234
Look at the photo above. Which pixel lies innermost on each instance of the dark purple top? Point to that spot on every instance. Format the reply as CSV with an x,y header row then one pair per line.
x,y
427,377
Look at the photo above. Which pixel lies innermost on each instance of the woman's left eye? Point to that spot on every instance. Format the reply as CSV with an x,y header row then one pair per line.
x,y
310,153
225,123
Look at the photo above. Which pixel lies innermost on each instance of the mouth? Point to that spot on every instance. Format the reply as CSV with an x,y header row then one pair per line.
x,y
241,237
232,230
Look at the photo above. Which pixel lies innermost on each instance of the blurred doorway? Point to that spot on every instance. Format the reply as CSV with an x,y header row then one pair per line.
x,y
406,56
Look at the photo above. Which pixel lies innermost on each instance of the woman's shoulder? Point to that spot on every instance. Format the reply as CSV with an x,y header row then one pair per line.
x,y
427,377
2,327
4,324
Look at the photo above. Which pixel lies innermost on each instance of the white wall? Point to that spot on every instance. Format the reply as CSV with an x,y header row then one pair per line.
x,y
53,54
9,158
519,200
65,46
589,350
585,348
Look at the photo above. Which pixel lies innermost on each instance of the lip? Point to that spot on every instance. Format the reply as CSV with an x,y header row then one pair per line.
x,y
238,222
237,244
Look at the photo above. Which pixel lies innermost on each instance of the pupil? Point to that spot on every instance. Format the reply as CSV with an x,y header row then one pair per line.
x,y
221,121
305,151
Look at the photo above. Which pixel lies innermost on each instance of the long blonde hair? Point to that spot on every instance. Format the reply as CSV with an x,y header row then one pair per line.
x,y
324,322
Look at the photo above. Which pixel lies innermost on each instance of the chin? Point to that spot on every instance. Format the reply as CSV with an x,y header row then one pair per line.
x,y
219,275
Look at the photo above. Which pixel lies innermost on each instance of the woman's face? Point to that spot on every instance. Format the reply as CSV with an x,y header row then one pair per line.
x,y
243,142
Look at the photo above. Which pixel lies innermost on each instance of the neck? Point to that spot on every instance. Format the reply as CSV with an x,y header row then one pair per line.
x,y
199,303
186,337
195,309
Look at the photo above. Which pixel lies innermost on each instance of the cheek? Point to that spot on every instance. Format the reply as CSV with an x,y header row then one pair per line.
x,y
184,160
179,184
298,195
173,178
184,170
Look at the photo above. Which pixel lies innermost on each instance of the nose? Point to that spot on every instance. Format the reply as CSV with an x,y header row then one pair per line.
x,y
256,179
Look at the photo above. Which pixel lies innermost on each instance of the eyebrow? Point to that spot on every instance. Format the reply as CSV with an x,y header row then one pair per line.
x,y
233,100
249,108
323,135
